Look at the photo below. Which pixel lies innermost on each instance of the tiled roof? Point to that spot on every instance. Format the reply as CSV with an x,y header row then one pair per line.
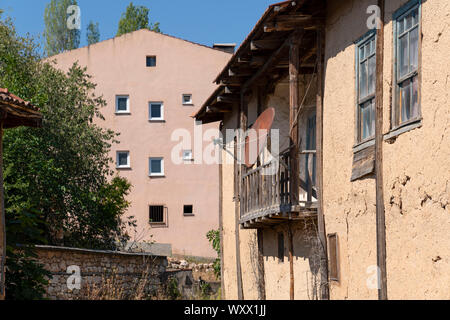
x,y
8,97
15,112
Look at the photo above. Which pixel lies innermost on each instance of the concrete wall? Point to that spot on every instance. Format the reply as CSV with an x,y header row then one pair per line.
x,y
96,268
118,66
416,167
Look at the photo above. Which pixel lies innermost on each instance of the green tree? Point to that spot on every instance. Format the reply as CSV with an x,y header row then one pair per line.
x,y
59,189
58,36
213,237
93,33
136,18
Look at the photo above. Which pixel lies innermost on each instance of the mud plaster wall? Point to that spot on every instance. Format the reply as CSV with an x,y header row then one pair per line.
x,y
276,272
416,167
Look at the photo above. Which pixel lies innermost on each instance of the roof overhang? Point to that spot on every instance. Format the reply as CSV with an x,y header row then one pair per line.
x,y
263,55
15,112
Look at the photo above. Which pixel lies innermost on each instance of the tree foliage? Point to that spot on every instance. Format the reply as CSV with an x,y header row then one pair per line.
x,y
59,189
213,237
136,18
58,37
93,33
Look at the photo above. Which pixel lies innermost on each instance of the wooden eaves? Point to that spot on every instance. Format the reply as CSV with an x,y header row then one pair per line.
x,y
262,58
15,112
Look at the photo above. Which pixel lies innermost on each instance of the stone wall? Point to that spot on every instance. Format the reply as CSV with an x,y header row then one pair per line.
x,y
81,274
200,271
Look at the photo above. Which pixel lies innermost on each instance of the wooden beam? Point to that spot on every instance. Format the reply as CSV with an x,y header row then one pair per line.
x,y
231,98
265,44
240,72
261,273
294,66
308,24
272,59
324,292
222,256
291,262
380,216
217,109
243,121
293,18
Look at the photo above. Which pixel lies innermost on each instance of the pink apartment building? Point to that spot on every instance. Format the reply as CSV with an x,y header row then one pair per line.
x,y
153,83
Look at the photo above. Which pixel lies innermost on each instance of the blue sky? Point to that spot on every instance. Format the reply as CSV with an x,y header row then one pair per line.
x,y
202,21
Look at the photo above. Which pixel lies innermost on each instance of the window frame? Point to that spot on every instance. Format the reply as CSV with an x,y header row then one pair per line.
x,y
160,174
146,61
191,158
188,214
150,118
162,223
120,96
128,166
333,257
190,103
405,10
361,42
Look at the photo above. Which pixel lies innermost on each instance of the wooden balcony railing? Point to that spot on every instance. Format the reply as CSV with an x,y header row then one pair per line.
x,y
266,190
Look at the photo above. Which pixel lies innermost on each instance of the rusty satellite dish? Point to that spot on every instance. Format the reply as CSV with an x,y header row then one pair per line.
x,y
256,140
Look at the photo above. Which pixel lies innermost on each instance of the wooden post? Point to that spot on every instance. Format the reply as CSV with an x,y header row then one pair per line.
x,y
380,216
262,281
260,232
239,205
222,283
324,290
2,223
291,261
294,67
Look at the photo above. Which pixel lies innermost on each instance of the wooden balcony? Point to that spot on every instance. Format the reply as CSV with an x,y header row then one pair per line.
x,y
266,197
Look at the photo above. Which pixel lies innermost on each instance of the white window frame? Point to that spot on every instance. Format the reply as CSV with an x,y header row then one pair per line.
x,y
128,165
117,104
190,158
150,118
158,174
189,103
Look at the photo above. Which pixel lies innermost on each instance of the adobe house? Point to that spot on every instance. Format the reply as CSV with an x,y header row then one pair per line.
x,y
14,112
358,208
152,84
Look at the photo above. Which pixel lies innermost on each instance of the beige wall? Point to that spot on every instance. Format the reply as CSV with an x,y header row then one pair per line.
x,y
118,67
416,167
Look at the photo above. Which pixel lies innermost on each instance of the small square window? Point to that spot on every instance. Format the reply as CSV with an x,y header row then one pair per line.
x,y
156,167
188,210
123,159
156,111
151,61
187,99
187,155
156,214
122,104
